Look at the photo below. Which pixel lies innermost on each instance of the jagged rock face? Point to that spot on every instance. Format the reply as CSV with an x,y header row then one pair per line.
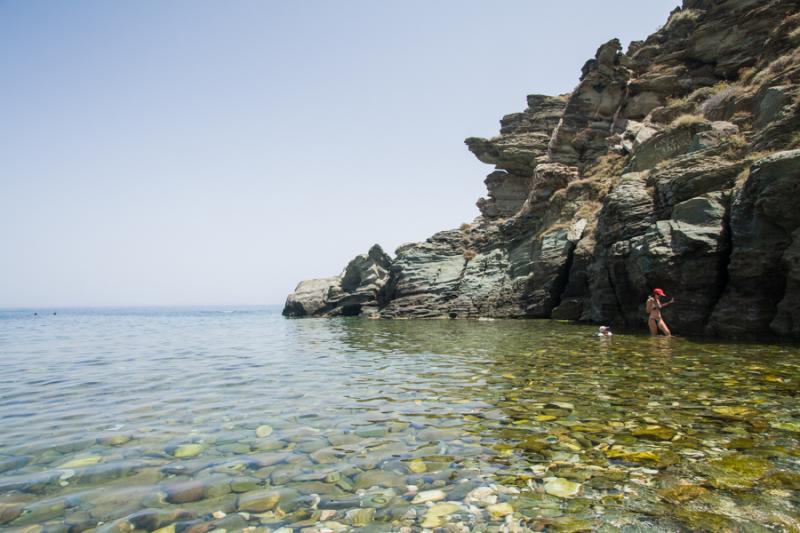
x,y
762,290
592,110
460,274
522,141
671,165
310,297
359,290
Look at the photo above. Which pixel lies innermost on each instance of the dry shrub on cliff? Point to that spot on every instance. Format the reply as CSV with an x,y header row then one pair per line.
x,y
589,210
465,227
746,74
469,255
777,68
610,164
684,15
736,145
700,95
742,119
720,93
687,120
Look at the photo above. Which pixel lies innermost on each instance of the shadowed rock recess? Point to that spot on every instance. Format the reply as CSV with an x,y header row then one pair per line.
x,y
672,164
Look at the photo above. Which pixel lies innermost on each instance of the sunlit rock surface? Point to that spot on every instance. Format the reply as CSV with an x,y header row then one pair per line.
x,y
672,164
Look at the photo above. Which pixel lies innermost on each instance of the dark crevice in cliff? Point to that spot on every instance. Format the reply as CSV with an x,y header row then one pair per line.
x,y
724,261
617,301
562,279
351,310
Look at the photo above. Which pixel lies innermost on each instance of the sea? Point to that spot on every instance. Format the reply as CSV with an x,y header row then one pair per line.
x,y
198,419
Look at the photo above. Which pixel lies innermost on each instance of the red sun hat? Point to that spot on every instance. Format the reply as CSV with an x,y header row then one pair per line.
x,y
659,292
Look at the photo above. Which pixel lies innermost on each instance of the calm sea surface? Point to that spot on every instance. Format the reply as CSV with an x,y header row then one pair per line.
x,y
238,419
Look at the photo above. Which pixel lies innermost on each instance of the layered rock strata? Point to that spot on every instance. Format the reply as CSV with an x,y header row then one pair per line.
x,y
673,164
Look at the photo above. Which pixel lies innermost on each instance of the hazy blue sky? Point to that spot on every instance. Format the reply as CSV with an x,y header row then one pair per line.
x,y
217,152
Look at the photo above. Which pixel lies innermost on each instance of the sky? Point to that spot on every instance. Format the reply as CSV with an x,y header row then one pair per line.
x,y
198,152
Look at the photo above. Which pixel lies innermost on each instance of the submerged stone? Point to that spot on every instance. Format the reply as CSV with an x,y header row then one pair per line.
x,y
417,466
189,491
569,524
114,440
560,405
82,462
482,496
379,478
258,501
499,510
733,411
373,431
429,496
682,493
10,511
360,517
437,515
735,471
244,484
263,430
654,433
562,488
185,451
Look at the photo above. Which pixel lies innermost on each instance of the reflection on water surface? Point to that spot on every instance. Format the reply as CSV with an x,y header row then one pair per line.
x,y
192,421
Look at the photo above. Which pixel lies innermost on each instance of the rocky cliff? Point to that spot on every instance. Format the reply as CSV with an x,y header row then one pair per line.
x,y
672,164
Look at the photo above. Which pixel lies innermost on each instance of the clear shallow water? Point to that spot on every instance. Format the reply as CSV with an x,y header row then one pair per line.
x,y
168,418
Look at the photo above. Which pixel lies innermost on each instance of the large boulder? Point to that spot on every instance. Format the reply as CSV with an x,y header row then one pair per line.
x,y
522,142
310,297
761,291
592,109
359,290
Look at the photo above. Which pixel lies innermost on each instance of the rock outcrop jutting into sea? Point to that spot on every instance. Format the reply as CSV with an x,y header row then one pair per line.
x,y
674,164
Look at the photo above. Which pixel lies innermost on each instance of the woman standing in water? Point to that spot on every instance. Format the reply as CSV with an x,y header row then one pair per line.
x,y
654,305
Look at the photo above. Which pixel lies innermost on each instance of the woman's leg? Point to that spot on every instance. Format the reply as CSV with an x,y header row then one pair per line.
x,y
663,327
652,323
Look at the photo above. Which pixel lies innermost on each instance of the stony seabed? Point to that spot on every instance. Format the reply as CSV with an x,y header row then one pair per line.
x,y
202,421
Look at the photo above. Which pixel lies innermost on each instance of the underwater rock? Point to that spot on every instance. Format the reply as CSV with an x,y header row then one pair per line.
x,y
562,488
437,514
379,478
682,493
258,501
10,511
482,496
152,519
115,440
186,451
499,510
417,466
429,496
188,491
360,517
654,433
263,431
81,462
244,484
735,471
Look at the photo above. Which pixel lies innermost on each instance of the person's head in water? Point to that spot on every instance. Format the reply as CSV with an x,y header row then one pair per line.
x,y
604,331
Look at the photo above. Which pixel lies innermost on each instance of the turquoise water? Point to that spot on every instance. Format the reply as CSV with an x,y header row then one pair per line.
x,y
238,419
